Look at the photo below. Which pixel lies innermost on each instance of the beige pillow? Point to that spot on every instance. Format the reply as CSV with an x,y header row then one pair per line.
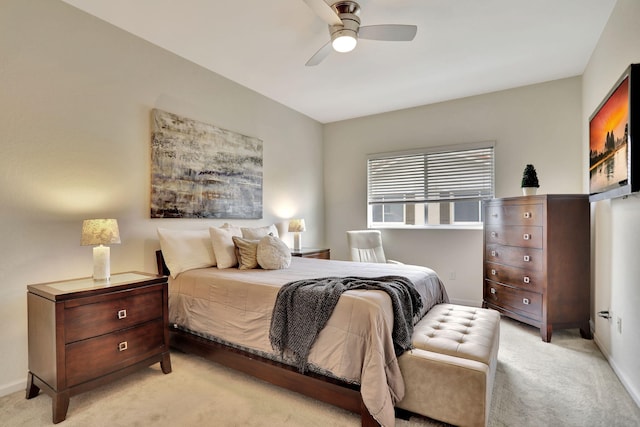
x,y
186,249
223,247
273,253
247,252
257,233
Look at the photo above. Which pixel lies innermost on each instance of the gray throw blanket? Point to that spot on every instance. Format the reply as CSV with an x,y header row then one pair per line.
x,y
303,308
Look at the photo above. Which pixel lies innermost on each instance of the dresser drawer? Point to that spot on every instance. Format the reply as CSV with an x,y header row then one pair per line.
x,y
517,300
517,277
91,320
98,356
514,235
514,214
527,258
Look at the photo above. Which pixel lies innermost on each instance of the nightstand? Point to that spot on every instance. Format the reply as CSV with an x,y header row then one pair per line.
x,y
320,253
85,333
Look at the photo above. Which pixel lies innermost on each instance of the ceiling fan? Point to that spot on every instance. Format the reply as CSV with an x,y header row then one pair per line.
x,y
345,29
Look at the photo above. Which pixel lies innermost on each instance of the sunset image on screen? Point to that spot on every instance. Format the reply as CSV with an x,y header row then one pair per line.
x,y
611,121
608,142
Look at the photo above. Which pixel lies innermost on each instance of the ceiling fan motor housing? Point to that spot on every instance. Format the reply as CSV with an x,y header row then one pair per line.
x,y
348,12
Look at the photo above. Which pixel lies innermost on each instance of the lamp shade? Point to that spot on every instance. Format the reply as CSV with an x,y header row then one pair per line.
x,y
296,225
100,232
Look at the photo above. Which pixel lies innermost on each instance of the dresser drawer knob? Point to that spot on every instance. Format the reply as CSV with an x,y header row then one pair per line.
x,y
494,234
525,301
526,236
526,258
526,279
493,272
527,215
493,291
122,314
122,346
493,253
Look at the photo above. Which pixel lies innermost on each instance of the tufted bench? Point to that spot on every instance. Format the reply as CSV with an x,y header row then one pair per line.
x,y
449,374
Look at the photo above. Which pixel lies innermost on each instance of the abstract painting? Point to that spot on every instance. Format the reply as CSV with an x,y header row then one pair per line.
x,y
201,171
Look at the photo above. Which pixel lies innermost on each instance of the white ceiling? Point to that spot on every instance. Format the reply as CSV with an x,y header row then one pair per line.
x,y
462,48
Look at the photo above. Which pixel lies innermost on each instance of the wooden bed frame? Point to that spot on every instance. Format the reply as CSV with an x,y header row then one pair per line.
x,y
320,387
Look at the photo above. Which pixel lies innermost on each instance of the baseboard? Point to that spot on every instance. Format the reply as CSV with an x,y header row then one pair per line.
x,y
6,389
635,395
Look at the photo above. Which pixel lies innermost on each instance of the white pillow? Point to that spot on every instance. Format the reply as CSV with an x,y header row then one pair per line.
x,y
186,249
257,233
273,253
223,247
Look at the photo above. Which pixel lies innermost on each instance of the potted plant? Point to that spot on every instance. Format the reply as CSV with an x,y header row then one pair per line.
x,y
530,182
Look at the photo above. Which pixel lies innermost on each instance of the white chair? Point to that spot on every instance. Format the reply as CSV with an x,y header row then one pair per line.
x,y
366,246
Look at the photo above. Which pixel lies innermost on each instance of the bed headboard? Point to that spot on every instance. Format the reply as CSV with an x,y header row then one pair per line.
x,y
162,267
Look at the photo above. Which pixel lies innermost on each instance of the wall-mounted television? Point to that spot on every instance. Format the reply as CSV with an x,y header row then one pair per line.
x,y
614,140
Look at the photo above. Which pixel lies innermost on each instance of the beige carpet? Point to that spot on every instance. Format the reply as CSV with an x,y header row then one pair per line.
x,y
564,383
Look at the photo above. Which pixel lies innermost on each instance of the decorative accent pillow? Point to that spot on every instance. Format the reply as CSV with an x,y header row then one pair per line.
x,y
247,253
273,253
186,249
223,247
257,233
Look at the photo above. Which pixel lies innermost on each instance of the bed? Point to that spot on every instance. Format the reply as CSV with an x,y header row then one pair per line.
x,y
224,315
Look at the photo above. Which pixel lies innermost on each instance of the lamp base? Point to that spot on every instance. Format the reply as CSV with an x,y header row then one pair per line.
x,y
297,241
101,263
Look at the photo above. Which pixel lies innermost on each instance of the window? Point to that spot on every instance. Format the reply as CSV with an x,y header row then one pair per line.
x,y
438,186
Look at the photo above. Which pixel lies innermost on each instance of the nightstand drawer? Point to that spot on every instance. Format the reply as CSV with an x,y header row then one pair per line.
x,y
527,258
318,253
517,277
523,236
91,320
98,356
524,302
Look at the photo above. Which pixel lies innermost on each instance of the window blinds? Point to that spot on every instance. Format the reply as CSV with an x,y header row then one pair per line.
x,y
445,174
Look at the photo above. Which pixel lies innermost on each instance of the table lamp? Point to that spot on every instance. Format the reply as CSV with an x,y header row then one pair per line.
x,y
297,226
100,232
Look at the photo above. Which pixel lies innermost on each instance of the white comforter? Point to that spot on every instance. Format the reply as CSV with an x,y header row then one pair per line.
x,y
236,306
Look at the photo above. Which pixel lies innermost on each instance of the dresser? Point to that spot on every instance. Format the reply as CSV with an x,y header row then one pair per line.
x,y
85,333
537,261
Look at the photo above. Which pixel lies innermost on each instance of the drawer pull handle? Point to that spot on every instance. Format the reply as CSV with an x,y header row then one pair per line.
x,y
527,215
526,279
122,346
526,258
494,234
493,291
122,314
526,236
493,272
525,301
493,253
495,215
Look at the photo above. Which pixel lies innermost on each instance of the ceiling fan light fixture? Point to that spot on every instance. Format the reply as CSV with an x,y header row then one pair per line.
x,y
344,43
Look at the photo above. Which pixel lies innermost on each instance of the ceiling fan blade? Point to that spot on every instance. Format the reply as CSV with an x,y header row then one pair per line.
x,y
389,32
324,11
320,55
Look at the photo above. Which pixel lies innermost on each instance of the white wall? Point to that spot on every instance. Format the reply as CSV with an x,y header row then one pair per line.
x,y
616,223
539,124
75,101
